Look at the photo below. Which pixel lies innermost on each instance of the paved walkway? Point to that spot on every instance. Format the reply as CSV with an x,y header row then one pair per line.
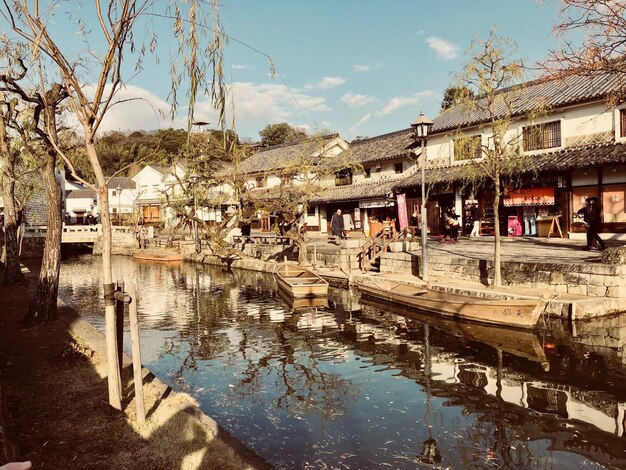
x,y
529,249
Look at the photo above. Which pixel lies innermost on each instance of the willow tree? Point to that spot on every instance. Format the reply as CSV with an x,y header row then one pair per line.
x,y
112,31
490,72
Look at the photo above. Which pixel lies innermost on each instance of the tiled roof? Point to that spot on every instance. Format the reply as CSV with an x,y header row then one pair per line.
x,y
280,156
81,194
539,94
566,159
355,192
399,144
121,182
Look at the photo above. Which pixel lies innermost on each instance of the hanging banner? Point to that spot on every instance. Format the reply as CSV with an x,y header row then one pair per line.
x,y
402,216
529,197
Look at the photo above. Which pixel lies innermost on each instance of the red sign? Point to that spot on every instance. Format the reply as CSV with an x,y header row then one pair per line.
x,y
529,197
402,216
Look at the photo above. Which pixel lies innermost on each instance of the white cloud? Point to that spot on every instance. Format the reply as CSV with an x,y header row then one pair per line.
x,y
256,105
259,104
330,82
444,49
362,68
361,121
402,101
138,109
354,100
240,67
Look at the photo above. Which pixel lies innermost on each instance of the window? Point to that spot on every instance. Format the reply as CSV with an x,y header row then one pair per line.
x,y
114,193
343,177
397,167
467,148
542,136
367,172
622,122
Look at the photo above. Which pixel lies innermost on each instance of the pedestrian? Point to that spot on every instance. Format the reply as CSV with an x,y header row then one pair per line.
x,y
336,224
475,215
413,223
592,221
444,231
453,222
347,224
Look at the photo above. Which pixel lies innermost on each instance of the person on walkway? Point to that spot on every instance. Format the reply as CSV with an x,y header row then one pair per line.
x,y
336,224
413,224
347,224
592,220
453,222
444,227
475,215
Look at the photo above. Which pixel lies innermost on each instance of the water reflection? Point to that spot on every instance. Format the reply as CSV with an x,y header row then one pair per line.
x,y
357,385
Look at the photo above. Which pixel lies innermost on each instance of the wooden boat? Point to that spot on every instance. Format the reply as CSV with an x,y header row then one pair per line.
x,y
161,256
297,281
502,312
521,343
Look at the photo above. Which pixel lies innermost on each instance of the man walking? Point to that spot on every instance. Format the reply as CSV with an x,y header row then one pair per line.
x,y
592,220
475,221
336,224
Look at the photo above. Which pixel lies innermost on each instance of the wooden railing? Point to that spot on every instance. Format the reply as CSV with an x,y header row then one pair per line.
x,y
373,247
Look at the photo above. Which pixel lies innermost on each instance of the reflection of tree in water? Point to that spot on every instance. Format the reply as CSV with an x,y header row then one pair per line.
x,y
297,375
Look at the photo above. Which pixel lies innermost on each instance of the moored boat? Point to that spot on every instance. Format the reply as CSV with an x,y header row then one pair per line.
x,y
522,343
297,281
504,312
165,257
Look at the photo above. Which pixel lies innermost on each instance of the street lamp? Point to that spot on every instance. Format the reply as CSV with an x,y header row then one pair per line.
x,y
119,205
421,128
194,181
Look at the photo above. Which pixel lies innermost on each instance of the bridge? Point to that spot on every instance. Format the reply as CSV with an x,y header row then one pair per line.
x,y
81,233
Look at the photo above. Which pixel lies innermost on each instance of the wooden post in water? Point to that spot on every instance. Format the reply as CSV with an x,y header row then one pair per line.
x,y
136,351
119,327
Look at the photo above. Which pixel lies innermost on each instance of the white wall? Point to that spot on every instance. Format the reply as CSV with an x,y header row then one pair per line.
x,y
576,121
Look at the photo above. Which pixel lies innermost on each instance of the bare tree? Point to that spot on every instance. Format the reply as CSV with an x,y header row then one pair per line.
x,y
593,38
488,71
114,25
37,137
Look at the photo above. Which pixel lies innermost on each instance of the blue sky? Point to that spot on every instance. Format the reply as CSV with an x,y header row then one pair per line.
x,y
357,67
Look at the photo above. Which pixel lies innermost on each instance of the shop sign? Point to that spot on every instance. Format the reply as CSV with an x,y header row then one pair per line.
x,y
529,197
373,203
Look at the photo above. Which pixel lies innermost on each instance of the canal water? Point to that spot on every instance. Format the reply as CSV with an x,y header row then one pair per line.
x,y
356,384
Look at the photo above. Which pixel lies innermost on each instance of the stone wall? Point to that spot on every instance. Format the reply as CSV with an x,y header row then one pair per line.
x,y
581,283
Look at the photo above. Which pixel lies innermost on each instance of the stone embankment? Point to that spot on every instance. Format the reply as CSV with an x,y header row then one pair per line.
x,y
579,290
576,289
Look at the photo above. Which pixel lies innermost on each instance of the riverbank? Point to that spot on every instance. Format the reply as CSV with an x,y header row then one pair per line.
x,y
53,378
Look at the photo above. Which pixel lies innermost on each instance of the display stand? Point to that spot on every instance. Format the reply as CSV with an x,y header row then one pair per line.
x,y
557,224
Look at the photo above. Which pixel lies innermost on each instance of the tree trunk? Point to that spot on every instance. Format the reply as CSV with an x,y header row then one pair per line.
x,y
43,307
12,270
113,372
497,268
303,250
